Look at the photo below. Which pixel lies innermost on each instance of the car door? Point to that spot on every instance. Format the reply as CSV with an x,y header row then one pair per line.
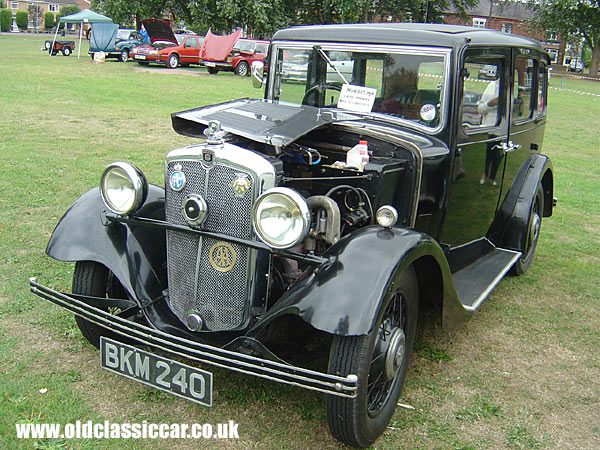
x,y
527,113
482,133
191,50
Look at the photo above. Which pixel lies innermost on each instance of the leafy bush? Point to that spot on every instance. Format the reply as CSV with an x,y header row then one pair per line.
x,y
21,17
5,19
68,10
48,19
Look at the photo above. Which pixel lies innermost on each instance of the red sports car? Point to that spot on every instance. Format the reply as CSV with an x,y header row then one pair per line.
x,y
166,47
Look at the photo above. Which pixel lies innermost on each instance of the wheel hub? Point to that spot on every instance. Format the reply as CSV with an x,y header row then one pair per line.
x,y
395,354
534,230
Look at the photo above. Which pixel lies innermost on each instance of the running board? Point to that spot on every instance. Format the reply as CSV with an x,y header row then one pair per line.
x,y
474,282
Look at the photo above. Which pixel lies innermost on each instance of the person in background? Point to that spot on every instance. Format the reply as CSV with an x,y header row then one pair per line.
x,y
144,35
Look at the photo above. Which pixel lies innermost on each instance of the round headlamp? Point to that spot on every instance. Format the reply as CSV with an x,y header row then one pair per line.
x,y
123,188
387,216
281,217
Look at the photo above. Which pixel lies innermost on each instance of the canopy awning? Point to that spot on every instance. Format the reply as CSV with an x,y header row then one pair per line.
x,y
85,16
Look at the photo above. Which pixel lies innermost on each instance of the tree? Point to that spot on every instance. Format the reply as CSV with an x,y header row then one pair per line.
x,y
575,18
126,12
21,18
349,11
5,20
261,18
48,20
66,11
35,15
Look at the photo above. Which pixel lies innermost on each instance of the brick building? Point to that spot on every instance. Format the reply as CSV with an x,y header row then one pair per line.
x,y
37,8
511,17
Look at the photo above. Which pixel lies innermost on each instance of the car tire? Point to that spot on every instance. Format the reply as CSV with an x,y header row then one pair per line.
x,y
94,279
212,70
66,51
533,233
124,56
172,61
359,421
242,69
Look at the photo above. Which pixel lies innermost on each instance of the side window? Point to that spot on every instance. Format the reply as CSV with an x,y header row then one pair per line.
x,y
542,90
191,42
483,88
525,70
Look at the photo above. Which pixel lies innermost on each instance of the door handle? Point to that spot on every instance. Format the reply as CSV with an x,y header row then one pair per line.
x,y
506,148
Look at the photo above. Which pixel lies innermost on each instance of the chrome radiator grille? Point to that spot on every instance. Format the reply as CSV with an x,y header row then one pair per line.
x,y
197,284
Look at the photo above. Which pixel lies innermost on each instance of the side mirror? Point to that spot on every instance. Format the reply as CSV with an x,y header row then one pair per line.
x,y
258,80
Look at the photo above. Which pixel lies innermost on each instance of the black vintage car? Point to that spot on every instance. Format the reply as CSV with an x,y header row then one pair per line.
x,y
270,241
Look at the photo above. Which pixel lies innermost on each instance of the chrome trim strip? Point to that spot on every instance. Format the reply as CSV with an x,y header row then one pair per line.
x,y
207,354
495,282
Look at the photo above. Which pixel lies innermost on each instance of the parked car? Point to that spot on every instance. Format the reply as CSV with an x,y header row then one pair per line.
x,y
487,72
112,41
184,31
295,67
266,247
166,48
65,47
241,57
126,40
576,65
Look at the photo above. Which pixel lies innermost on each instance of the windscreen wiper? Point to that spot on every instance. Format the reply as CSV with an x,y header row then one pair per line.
x,y
322,54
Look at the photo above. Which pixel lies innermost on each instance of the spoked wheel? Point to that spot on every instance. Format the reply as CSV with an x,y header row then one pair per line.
x,y
533,233
124,56
380,359
95,280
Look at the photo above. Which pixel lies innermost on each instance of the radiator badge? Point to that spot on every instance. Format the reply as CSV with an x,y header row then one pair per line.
x,y
177,179
240,185
222,256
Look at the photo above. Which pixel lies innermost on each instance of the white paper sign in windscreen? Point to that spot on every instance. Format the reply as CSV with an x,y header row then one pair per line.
x,y
357,98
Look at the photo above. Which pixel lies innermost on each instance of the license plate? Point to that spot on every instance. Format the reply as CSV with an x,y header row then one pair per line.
x,y
209,64
161,373
140,56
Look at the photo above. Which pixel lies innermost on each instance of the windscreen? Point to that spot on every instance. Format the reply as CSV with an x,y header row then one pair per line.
x,y
244,46
407,83
123,35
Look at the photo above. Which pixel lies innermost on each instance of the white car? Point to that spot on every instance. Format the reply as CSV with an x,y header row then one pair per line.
x,y
576,65
295,69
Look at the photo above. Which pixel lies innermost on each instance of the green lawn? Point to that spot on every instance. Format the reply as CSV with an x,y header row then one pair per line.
x,y
523,373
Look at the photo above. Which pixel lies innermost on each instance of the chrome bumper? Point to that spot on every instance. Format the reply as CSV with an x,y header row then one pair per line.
x,y
207,354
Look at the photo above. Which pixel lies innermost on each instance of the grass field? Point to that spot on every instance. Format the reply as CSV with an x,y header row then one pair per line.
x,y
523,373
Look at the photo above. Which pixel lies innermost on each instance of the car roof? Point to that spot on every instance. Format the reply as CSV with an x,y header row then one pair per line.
x,y
253,40
436,35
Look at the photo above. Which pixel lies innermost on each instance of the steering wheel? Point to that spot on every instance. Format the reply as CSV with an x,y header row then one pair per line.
x,y
320,88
